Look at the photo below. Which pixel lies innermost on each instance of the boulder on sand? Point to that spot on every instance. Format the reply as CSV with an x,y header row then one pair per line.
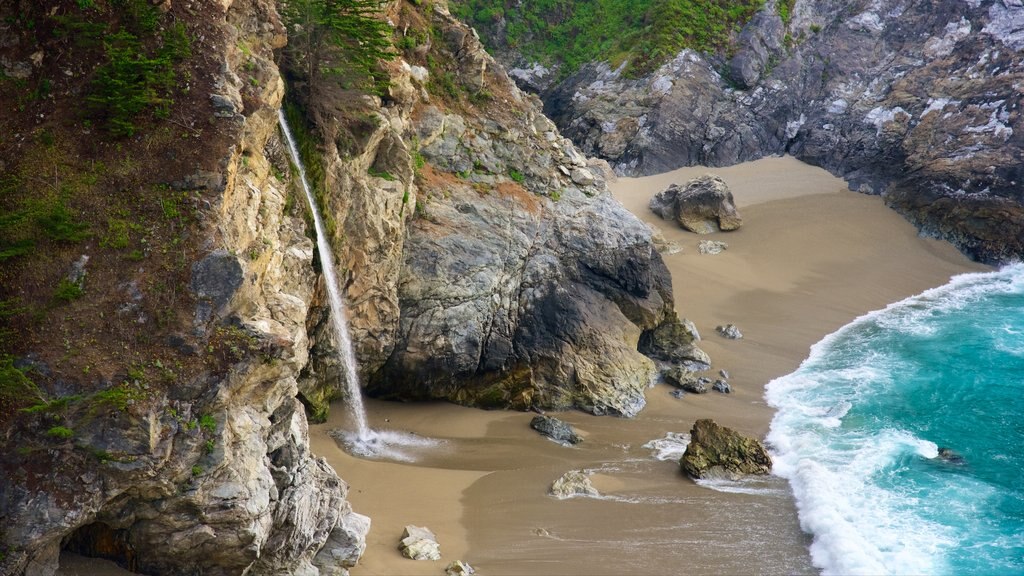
x,y
703,205
556,430
716,451
419,544
573,483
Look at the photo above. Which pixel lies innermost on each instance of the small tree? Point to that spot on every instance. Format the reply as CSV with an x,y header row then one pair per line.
x,y
343,38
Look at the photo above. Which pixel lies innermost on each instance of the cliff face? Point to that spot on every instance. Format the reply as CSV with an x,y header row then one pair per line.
x,y
175,443
162,313
916,101
486,262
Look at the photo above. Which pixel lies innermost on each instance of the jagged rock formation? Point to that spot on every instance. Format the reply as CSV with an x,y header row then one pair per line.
x,y
202,470
916,101
702,205
717,451
520,282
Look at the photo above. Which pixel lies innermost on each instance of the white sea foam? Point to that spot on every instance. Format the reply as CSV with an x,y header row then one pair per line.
x,y
385,444
742,486
671,447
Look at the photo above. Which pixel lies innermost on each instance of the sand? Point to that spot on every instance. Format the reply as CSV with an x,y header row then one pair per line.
x,y
810,257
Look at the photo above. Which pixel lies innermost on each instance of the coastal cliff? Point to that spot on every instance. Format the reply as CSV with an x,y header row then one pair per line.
x,y
150,412
164,326
919,102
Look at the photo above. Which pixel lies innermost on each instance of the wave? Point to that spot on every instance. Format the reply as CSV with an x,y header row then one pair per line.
x,y
848,460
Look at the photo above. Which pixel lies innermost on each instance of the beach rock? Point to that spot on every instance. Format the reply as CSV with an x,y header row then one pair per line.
x,y
949,455
711,247
717,451
556,430
686,380
722,386
703,205
459,568
419,543
677,393
674,341
573,483
724,373
729,331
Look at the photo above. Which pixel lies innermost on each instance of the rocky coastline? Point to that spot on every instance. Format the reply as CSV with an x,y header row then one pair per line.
x,y
919,103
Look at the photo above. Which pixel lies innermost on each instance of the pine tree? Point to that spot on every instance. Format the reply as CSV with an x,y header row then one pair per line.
x,y
342,38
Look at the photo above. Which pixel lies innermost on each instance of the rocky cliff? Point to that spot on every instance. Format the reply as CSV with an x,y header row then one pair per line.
x,y
150,413
918,101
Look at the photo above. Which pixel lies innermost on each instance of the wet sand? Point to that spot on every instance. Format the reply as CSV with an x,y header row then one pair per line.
x,y
810,257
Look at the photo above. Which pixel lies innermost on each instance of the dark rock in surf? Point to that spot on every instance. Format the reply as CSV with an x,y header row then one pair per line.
x,y
717,451
556,430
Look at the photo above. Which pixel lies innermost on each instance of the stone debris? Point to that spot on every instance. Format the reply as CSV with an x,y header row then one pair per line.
x,y
711,247
459,568
721,386
573,483
419,543
556,430
729,331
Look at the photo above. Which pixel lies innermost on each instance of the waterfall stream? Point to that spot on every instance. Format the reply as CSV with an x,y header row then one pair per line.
x,y
345,353
362,441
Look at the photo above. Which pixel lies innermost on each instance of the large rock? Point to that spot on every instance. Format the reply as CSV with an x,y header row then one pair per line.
x,y
716,451
703,205
556,281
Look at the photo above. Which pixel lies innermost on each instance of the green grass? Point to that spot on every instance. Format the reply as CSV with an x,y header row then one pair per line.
x,y
68,290
60,432
646,33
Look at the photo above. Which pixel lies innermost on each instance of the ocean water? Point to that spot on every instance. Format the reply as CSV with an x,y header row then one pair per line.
x,y
860,424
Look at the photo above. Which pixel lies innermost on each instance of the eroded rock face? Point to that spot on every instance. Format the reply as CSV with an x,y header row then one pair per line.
x,y
917,101
702,205
498,272
211,474
717,451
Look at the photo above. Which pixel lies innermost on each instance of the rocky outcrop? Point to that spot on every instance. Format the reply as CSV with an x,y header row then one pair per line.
x,y
556,430
182,470
916,101
490,267
703,205
716,451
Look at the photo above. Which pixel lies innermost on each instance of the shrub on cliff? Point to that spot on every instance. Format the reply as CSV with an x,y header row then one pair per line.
x,y
342,38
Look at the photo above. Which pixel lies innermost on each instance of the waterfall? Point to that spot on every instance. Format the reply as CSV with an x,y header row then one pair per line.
x,y
345,353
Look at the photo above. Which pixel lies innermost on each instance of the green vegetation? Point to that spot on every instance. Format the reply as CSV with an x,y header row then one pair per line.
x,y
68,290
309,152
35,219
346,39
516,176
60,432
208,423
16,389
646,33
785,9
139,73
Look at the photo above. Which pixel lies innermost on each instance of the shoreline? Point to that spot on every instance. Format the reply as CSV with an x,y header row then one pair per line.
x,y
810,258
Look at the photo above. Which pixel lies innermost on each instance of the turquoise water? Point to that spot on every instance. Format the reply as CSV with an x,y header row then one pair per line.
x,y
859,426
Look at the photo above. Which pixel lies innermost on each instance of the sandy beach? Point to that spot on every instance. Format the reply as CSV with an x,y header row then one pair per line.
x,y
810,257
